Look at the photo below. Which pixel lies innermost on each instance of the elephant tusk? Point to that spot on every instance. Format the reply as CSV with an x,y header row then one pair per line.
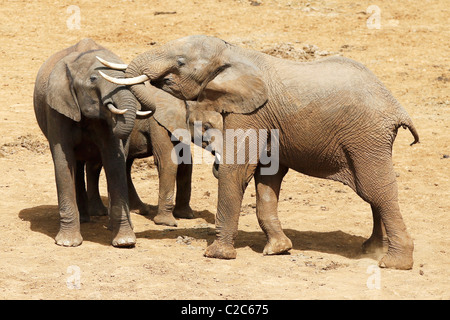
x,y
114,110
143,114
218,157
112,65
125,81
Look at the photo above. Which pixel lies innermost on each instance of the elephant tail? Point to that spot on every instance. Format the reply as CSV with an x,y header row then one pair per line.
x,y
406,122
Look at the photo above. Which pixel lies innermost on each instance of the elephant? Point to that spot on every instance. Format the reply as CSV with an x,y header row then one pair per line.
x,y
152,137
86,118
330,118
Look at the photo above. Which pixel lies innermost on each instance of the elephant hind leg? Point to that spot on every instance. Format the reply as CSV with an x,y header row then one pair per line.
x,y
81,194
95,204
136,203
378,240
65,166
182,207
375,182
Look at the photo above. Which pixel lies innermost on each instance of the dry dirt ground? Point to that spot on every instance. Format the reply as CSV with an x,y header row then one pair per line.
x,y
326,221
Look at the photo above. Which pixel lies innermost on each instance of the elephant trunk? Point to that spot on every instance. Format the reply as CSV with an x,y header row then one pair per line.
x,y
125,122
153,64
145,97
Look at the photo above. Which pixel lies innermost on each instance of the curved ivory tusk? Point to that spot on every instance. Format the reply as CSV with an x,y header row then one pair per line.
x,y
125,81
112,65
114,110
218,157
143,113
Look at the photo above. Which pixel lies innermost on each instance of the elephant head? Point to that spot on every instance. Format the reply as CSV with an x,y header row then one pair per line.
x,y
75,89
206,70
198,68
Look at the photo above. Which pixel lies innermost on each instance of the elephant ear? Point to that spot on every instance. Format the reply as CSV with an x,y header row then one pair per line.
x,y
60,91
236,87
170,112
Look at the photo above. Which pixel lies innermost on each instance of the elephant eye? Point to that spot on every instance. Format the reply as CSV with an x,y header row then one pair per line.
x,y
167,81
93,78
181,61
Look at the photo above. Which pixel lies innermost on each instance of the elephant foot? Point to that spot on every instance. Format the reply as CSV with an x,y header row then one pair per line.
x,y
401,262
399,256
277,246
165,219
220,251
375,244
124,238
68,238
183,213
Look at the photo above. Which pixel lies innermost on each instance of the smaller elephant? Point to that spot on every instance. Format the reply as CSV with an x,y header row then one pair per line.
x,y
150,138
86,118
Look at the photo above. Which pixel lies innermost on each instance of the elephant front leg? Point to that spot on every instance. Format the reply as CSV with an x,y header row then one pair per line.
x,y
167,171
65,165
267,194
113,159
232,185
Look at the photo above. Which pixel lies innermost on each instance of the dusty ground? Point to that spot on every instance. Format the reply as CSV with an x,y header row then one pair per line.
x,y
326,221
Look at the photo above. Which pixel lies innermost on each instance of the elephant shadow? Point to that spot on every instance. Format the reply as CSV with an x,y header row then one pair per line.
x,y
45,219
332,242
152,211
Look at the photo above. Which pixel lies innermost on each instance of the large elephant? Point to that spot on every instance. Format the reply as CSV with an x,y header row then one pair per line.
x,y
333,117
152,137
86,118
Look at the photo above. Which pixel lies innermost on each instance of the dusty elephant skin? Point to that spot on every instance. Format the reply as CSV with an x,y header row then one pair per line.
x,y
336,120
85,118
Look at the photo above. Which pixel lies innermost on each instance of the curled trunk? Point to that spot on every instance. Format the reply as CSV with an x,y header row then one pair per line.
x,y
125,122
153,64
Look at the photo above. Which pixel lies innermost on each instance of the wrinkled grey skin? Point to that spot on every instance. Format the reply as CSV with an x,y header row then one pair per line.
x,y
336,120
150,138
70,99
